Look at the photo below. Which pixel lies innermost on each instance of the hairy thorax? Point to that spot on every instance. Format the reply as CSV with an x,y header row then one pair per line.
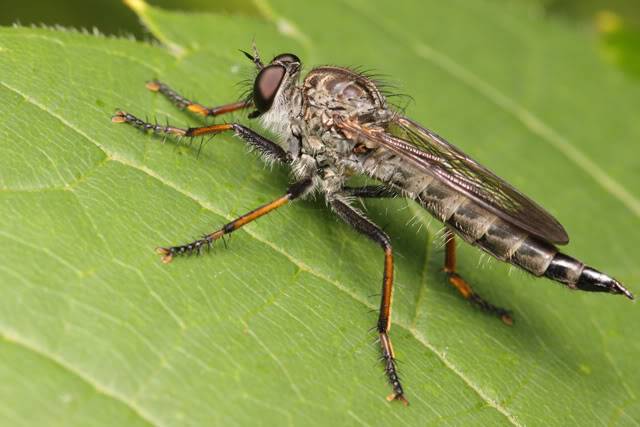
x,y
331,94
305,117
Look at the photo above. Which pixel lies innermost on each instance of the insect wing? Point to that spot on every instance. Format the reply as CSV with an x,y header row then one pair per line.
x,y
435,156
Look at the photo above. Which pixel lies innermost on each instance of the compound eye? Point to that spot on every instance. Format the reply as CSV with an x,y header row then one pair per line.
x,y
266,86
286,58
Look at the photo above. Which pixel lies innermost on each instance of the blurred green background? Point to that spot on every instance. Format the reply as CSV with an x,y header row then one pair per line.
x,y
109,16
615,24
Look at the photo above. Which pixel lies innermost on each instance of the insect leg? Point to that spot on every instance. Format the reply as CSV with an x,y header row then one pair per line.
x,y
361,224
266,147
463,287
296,190
184,104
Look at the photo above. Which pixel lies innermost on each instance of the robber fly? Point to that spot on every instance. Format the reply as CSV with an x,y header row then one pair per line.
x,y
337,123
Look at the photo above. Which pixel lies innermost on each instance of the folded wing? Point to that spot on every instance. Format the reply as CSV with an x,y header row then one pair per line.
x,y
435,156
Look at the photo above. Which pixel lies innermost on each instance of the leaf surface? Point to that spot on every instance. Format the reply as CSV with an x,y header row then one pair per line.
x,y
273,330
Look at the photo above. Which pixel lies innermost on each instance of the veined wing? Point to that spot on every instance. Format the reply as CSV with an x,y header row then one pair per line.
x,y
435,156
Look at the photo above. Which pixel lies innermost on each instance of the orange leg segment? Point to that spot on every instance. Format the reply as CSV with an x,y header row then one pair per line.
x,y
264,146
295,191
185,104
463,287
361,224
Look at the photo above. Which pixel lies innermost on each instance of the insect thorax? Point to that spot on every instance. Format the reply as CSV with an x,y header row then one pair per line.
x,y
304,117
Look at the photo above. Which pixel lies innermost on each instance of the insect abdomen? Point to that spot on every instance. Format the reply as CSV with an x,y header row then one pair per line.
x,y
509,243
576,275
483,229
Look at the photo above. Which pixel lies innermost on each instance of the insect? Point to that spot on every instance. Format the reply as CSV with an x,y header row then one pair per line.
x,y
335,123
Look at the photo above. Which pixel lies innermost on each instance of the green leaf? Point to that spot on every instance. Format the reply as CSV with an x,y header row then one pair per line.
x,y
620,42
274,330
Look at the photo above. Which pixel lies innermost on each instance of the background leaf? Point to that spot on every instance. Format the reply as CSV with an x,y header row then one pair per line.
x,y
95,330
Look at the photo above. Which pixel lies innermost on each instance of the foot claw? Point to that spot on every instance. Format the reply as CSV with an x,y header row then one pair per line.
x,y
507,319
399,398
119,117
153,85
167,256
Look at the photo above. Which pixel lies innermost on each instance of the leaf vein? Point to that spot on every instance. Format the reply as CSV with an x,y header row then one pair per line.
x,y
99,388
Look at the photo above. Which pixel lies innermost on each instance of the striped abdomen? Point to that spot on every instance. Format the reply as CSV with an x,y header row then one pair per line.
x,y
507,242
